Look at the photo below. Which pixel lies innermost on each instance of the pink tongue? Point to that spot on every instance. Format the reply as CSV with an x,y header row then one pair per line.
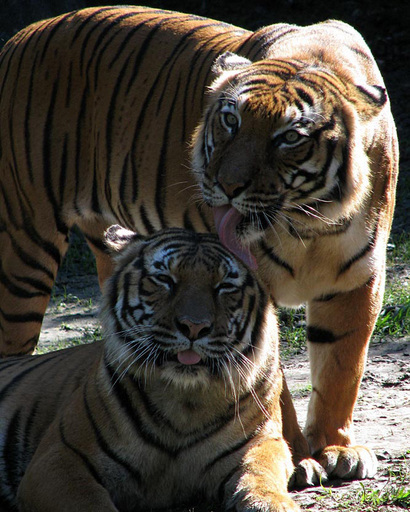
x,y
188,357
226,219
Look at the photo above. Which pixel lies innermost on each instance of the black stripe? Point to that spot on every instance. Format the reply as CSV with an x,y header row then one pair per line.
x,y
50,32
11,452
84,22
273,257
34,283
27,118
79,129
86,462
126,41
199,435
221,489
11,385
305,96
63,169
256,331
28,437
160,187
48,166
149,228
326,297
98,243
95,202
28,260
272,37
104,446
125,402
16,290
360,254
48,247
318,335
101,36
69,86
230,451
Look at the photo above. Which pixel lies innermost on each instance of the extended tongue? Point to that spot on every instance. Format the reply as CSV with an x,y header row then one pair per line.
x,y
226,220
188,357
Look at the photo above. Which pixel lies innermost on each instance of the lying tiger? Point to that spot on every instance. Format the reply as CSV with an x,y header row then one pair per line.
x,y
180,403
294,158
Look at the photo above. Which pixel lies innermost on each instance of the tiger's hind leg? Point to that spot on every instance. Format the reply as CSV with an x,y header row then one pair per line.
x,y
339,332
29,261
94,235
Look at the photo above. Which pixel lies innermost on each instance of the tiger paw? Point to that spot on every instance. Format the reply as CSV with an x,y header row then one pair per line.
x,y
268,502
307,473
352,462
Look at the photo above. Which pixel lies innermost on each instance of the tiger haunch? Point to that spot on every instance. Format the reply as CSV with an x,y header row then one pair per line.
x,y
135,426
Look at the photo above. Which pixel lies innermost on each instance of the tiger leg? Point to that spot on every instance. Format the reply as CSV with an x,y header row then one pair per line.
x,y
307,470
262,486
94,235
29,261
339,332
60,479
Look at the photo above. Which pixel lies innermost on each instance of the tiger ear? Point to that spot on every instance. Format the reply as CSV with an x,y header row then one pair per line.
x,y
371,99
229,61
116,238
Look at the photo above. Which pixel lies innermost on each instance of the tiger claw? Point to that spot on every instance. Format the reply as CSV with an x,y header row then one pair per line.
x,y
308,473
352,462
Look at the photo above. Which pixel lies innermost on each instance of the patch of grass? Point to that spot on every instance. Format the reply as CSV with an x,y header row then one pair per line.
x,y
392,495
292,329
79,255
303,391
394,319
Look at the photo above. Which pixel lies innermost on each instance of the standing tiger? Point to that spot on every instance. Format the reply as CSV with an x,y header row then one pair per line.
x,y
180,403
294,158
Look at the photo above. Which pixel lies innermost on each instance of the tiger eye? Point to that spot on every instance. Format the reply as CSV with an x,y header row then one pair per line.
x,y
230,120
291,136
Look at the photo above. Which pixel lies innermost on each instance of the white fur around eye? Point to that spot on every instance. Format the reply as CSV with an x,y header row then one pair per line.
x,y
299,180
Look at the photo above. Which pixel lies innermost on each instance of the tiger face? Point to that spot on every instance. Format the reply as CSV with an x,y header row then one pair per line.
x,y
272,148
185,310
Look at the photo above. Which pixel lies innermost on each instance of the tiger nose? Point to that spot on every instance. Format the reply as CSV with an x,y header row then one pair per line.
x,y
233,189
193,330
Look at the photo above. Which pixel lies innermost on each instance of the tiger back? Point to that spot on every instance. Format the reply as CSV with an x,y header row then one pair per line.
x,y
181,400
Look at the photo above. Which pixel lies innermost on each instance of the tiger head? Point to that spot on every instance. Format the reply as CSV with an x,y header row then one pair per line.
x,y
181,307
283,143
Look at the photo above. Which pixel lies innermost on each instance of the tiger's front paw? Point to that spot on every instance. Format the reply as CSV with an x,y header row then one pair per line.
x,y
307,473
268,502
348,462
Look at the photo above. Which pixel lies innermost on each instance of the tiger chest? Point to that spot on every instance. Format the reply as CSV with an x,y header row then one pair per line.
x,y
299,270
168,480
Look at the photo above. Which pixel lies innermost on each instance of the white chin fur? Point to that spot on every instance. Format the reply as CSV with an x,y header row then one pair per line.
x,y
188,377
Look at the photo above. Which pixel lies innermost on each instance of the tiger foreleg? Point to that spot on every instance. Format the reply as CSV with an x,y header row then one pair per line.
x,y
339,332
307,470
262,485
61,480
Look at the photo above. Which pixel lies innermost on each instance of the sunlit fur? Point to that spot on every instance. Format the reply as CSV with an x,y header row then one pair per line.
x,y
122,425
98,109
